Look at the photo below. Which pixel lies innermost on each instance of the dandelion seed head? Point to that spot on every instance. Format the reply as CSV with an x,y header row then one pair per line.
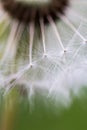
x,y
51,59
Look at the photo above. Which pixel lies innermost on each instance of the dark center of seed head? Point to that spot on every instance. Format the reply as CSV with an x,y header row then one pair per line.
x,y
35,2
27,10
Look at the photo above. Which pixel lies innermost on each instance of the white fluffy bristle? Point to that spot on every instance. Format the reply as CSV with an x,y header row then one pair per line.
x,y
55,63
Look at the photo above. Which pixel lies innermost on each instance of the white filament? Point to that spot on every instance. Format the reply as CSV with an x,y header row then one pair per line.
x,y
43,36
31,42
56,31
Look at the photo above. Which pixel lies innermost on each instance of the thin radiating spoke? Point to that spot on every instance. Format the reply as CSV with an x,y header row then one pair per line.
x,y
10,41
17,38
77,14
31,31
56,32
16,77
66,20
43,35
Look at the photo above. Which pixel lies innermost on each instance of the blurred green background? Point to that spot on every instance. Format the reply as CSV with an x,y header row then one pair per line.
x,y
17,113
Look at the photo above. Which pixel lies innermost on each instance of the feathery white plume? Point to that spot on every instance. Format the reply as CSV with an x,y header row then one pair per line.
x,y
55,63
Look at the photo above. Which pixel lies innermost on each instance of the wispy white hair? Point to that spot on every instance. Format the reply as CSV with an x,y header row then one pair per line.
x,y
55,63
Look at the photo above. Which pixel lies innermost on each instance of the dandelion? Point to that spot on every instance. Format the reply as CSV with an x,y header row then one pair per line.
x,y
44,47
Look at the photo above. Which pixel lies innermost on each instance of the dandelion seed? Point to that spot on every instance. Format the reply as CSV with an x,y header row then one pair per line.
x,y
45,46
